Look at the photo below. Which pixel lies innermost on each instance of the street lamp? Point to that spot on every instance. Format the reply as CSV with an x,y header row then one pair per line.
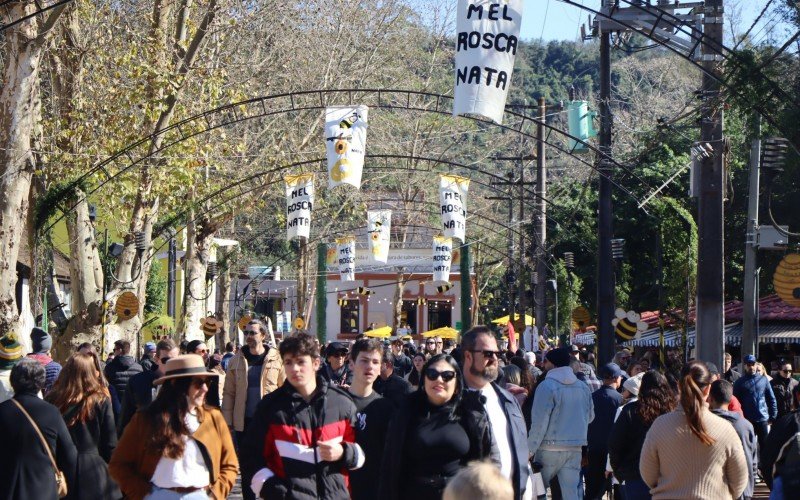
x,y
773,157
554,283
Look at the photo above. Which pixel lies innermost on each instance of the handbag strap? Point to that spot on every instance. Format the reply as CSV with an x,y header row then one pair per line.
x,y
38,432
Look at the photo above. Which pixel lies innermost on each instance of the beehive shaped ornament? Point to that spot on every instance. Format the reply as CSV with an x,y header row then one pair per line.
x,y
127,306
580,318
787,279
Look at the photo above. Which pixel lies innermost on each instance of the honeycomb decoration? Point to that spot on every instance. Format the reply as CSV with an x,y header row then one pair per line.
x,y
787,279
127,306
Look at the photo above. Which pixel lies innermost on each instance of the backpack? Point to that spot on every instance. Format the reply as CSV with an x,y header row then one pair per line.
x,y
787,465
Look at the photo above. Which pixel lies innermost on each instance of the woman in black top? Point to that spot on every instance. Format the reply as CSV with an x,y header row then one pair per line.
x,y
436,432
628,433
415,377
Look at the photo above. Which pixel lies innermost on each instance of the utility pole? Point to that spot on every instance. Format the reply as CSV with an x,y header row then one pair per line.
x,y
750,305
710,210
605,222
539,276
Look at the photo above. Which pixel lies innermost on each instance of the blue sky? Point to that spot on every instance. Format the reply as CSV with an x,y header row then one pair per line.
x,y
554,20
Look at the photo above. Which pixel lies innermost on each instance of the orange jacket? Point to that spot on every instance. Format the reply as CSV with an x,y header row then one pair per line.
x,y
133,462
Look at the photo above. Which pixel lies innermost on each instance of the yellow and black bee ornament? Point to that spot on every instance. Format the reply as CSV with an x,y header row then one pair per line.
x,y
787,279
628,325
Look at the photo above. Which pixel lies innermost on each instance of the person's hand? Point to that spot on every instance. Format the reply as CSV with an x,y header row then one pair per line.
x,y
345,386
330,451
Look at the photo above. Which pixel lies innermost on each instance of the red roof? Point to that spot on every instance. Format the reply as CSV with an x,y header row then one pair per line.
x,y
771,308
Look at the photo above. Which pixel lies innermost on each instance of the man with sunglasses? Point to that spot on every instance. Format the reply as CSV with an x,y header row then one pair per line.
x,y
507,424
783,385
140,390
255,371
336,370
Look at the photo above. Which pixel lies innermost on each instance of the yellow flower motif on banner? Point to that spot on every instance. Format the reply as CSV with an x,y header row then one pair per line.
x,y
341,170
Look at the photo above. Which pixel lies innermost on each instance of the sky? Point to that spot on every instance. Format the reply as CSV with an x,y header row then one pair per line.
x,y
554,20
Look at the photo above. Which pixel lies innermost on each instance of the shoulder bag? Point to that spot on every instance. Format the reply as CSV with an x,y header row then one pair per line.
x,y
61,482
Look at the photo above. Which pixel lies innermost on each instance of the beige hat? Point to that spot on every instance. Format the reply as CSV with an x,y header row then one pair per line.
x,y
187,365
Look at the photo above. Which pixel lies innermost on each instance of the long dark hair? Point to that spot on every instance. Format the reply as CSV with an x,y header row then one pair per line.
x,y
694,378
655,397
167,415
453,404
79,389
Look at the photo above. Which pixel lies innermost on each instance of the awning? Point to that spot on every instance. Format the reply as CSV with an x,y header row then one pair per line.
x,y
380,333
445,332
504,320
772,333
674,338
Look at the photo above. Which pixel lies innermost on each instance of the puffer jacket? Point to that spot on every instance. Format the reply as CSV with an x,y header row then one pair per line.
x,y
281,444
234,392
119,371
758,400
562,410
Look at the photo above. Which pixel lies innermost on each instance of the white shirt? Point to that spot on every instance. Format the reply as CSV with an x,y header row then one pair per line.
x,y
188,471
497,419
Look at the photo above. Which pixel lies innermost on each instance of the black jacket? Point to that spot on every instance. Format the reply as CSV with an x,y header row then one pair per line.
x,y
783,387
626,442
283,438
95,441
148,364
138,396
518,438
119,371
393,388
25,469
395,469
606,400
343,377
782,430
403,365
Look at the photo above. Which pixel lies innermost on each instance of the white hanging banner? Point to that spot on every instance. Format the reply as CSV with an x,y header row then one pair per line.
x,y
453,200
346,255
442,258
345,144
486,44
299,202
379,226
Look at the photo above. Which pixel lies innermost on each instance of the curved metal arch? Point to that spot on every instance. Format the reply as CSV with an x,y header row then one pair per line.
x,y
309,100
41,7
775,97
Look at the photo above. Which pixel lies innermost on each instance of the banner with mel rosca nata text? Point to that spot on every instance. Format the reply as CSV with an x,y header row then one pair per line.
x,y
345,144
486,45
299,203
379,227
346,256
442,258
453,200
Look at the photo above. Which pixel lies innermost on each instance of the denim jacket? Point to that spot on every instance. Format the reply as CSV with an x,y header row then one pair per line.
x,y
562,410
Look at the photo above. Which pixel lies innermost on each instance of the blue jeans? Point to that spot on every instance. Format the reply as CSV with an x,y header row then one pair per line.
x,y
777,489
566,465
162,494
636,490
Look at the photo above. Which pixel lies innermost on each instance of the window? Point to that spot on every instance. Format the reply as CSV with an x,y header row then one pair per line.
x,y
349,316
408,315
65,296
440,314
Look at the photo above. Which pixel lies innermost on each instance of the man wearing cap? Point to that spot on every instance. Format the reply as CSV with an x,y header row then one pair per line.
x,y
758,400
606,400
141,391
336,370
582,370
562,410
10,354
146,360
41,343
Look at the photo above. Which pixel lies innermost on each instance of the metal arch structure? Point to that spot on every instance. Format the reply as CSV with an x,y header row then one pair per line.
x,y
41,6
687,49
134,154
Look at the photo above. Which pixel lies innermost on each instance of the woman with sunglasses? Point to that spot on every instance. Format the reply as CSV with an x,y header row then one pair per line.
x,y
438,430
177,448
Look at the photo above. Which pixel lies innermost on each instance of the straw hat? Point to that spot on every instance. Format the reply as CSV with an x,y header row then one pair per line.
x,y
187,365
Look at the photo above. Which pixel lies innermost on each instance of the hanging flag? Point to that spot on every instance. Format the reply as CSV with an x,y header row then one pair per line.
x,y
299,202
442,250
346,143
486,44
453,200
379,226
346,254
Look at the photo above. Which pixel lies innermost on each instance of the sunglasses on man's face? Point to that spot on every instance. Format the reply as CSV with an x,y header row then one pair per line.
x,y
250,332
432,374
487,353
165,359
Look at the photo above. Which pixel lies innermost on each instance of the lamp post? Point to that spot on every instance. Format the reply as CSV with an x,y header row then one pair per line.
x,y
555,290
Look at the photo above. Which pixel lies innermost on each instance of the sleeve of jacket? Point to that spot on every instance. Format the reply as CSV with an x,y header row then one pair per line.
x,y
108,431
393,452
125,460
228,463
66,454
781,431
617,440
649,464
736,467
128,409
772,403
229,392
540,416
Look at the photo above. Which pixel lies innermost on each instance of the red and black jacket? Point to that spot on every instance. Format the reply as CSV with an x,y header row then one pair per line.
x,y
283,438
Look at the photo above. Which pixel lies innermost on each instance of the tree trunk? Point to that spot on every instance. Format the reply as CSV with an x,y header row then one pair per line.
x,y
224,293
398,299
199,238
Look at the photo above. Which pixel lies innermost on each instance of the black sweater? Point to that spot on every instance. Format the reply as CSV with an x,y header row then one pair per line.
x,y
626,441
373,414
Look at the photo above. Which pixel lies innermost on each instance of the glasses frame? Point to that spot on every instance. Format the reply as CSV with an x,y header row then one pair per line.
x,y
446,375
487,353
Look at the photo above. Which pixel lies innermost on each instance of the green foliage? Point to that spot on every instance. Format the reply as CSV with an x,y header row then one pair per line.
x,y
156,290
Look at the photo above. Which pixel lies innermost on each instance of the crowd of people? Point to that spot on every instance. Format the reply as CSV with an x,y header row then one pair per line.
x,y
395,420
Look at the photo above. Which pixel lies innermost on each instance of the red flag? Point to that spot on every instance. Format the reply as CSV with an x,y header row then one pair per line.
x,y
512,337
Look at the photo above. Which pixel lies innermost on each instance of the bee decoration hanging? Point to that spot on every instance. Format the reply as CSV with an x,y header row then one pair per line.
x,y
362,290
628,325
445,287
421,301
